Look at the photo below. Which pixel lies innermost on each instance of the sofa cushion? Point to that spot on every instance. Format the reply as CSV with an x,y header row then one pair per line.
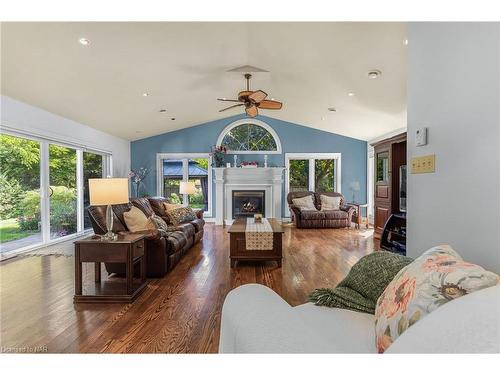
x,y
335,214
305,203
136,220
186,228
330,203
157,205
144,205
438,276
98,216
312,215
176,241
119,209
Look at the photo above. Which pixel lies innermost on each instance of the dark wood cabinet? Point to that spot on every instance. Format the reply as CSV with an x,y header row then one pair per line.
x,y
389,155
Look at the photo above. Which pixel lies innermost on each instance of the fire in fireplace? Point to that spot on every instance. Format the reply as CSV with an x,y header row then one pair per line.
x,y
246,203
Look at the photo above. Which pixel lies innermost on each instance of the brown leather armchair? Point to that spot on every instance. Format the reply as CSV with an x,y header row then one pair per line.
x,y
320,219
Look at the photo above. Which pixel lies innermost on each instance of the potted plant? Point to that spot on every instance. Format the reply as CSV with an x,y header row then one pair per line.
x,y
218,156
137,176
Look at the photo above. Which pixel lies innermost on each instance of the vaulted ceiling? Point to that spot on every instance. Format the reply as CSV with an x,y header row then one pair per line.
x,y
183,67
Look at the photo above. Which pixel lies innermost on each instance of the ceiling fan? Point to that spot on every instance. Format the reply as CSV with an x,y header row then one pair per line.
x,y
252,100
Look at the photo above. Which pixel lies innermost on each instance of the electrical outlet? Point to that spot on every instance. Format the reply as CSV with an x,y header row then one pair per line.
x,y
423,164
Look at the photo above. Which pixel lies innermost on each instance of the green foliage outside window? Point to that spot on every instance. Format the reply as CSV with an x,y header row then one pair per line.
x,y
249,137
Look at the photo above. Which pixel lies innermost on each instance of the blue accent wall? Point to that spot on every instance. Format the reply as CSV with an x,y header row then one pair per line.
x,y
293,137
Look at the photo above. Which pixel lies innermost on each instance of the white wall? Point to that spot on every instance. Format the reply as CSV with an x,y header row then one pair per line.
x,y
24,117
453,89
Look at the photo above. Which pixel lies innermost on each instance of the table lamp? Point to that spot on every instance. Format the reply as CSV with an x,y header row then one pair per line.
x,y
187,187
108,191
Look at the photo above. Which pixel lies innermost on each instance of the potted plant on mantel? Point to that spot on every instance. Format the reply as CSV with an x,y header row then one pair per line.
x,y
137,176
218,155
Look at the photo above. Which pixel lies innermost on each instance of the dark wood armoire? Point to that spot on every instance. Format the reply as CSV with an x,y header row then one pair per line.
x,y
389,156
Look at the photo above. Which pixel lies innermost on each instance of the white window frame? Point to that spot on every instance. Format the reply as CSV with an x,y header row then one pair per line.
x,y
44,143
185,170
311,157
262,124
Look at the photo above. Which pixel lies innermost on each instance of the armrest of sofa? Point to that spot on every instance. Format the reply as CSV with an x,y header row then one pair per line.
x,y
255,319
295,210
199,214
350,209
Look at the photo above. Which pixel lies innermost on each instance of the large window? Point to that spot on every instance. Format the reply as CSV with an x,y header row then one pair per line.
x,y
313,172
195,168
43,190
249,136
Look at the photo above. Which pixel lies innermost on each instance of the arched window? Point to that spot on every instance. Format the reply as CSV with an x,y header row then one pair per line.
x,y
249,136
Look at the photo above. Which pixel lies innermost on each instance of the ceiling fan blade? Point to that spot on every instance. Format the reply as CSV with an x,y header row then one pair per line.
x,y
257,96
270,104
251,111
228,100
233,106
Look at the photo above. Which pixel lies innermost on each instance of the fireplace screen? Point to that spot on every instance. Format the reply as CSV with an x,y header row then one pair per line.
x,y
246,203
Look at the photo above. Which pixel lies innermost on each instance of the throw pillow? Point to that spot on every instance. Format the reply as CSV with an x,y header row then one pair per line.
x,y
330,203
181,215
171,206
159,223
137,221
305,203
436,277
364,283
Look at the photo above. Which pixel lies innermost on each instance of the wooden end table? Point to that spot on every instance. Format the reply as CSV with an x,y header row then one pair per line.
x,y
128,249
357,218
237,244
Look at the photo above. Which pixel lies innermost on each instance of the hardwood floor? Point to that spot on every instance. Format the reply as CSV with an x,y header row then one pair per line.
x,y
179,313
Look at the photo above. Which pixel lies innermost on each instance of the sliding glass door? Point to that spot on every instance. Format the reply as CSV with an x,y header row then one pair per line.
x,y
20,214
319,172
62,191
93,167
195,168
43,190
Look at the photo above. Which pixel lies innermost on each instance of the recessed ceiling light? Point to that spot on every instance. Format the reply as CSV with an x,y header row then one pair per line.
x,y
162,110
84,41
405,42
374,74
350,94
145,94
332,109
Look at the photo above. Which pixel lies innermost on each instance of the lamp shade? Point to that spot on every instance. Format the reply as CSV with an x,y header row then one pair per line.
x,y
104,191
187,187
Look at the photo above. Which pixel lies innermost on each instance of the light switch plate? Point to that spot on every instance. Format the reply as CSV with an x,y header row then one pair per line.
x,y
423,164
421,137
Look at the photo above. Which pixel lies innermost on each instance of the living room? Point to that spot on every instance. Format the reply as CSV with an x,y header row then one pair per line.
x,y
250,187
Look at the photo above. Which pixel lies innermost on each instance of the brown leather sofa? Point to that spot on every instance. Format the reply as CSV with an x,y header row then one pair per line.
x,y
320,219
162,252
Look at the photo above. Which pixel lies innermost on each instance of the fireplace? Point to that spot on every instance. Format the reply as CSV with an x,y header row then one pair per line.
x,y
246,203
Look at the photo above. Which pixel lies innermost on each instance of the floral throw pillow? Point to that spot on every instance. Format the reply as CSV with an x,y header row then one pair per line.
x,y
159,222
181,215
436,277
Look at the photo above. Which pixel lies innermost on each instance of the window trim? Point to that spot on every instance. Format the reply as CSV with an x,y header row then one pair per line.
x,y
311,156
184,157
262,124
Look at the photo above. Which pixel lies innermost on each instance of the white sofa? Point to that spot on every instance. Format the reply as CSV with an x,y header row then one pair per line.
x,y
257,320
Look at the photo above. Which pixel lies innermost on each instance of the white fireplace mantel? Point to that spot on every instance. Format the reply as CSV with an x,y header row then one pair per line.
x,y
228,179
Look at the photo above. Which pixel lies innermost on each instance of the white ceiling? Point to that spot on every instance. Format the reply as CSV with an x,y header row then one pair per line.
x,y
183,66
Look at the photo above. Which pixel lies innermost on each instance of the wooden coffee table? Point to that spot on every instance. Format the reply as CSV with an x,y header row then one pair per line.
x,y
238,250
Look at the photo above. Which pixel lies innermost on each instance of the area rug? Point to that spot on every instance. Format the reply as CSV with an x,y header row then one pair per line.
x,y
65,249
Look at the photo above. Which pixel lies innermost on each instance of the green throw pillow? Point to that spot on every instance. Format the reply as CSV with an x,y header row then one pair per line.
x,y
364,283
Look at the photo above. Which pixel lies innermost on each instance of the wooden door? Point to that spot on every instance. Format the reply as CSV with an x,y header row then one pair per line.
x,y
382,186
